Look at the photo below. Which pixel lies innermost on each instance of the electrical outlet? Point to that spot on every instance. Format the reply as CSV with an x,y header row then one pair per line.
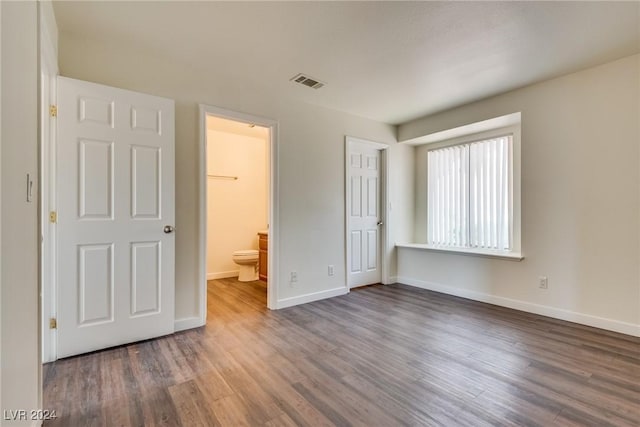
x,y
294,276
330,270
543,282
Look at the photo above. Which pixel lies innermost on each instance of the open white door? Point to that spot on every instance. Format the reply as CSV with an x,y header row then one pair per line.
x,y
364,216
115,189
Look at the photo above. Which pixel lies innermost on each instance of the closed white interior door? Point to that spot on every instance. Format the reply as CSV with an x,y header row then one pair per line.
x,y
365,219
115,189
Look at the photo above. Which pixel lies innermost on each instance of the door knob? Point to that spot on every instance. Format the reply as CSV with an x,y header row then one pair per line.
x,y
380,223
168,229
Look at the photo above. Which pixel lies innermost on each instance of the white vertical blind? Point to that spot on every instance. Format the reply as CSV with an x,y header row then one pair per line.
x,y
469,195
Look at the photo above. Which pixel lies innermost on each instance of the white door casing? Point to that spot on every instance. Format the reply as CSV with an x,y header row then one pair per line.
x,y
273,191
364,213
115,193
48,79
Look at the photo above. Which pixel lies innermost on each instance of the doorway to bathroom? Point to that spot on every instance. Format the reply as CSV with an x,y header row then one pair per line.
x,y
238,218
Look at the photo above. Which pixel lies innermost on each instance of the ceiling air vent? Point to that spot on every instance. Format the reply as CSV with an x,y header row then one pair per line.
x,y
307,81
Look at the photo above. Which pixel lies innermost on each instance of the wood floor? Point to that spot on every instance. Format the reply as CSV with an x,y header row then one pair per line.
x,y
380,356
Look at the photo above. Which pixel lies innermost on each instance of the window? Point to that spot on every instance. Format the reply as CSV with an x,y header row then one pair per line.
x,y
470,196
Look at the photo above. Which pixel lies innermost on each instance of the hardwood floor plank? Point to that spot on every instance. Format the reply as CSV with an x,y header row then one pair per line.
x,y
324,404
282,421
378,356
261,408
188,400
279,386
158,408
231,411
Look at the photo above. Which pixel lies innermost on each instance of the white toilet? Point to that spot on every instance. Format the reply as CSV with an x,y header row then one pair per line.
x,y
248,262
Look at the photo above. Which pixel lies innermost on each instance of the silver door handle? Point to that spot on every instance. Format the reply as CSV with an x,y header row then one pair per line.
x,y
168,229
380,223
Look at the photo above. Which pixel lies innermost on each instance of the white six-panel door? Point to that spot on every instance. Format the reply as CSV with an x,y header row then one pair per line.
x,y
115,192
363,209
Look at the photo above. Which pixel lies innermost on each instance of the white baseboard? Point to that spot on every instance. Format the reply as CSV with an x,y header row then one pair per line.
x,y
544,310
187,323
223,274
315,296
392,280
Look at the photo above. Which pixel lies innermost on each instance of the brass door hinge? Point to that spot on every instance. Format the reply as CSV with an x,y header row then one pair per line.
x,y
53,217
53,111
53,323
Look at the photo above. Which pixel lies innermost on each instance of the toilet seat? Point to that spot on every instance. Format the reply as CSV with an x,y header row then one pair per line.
x,y
246,254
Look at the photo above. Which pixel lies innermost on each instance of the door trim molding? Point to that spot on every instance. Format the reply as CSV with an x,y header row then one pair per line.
x,y
272,287
47,187
384,166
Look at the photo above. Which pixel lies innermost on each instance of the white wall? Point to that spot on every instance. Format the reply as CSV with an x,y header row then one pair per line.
x,y
19,330
237,209
310,158
401,201
580,201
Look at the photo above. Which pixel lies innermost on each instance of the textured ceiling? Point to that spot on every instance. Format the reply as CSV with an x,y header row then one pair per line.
x,y
388,61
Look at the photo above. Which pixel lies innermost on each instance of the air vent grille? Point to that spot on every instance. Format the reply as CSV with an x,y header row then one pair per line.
x,y
307,81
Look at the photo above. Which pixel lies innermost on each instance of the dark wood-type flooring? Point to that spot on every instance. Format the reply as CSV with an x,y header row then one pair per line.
x,y
380,356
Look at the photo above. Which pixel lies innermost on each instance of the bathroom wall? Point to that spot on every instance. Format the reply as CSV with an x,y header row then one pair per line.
x,y
237,209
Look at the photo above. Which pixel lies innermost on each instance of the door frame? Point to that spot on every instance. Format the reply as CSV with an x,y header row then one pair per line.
x,y
47,191
272,273
384,206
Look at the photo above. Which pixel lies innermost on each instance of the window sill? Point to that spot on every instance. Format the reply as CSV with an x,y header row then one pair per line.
x,y
512,256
